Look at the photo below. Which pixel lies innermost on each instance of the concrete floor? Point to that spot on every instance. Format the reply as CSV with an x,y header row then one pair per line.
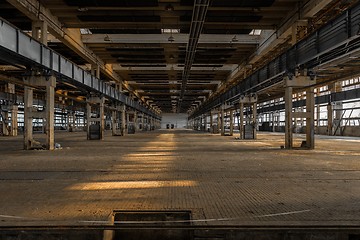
x,y
220,179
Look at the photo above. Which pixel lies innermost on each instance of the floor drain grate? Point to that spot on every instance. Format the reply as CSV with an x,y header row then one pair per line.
x,y
144,218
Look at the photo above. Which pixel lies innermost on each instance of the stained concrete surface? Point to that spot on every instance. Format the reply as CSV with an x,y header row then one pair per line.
x,y
220,179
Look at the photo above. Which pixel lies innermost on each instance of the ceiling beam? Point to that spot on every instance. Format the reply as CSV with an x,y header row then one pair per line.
x,y
197,23
175,67
271,39
35,11
241,39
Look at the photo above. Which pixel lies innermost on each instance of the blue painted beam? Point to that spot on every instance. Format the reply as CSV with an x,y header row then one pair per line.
x,y
17,48
334,40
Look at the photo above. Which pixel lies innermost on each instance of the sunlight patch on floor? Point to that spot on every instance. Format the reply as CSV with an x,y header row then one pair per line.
x,y
91,186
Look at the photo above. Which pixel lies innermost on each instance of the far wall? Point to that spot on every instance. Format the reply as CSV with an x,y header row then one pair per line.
x,y
178,119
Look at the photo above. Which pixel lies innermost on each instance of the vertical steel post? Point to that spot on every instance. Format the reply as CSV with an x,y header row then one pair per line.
x,y
102,117
288,118
231,122
28,118
222,122
14,120
241,123
330,119
50,116
88,119
254,114
310,105
123,120
136,126
113,122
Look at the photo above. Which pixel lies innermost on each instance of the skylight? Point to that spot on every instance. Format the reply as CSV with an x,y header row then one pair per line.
x,y
170,30
255,32
85,31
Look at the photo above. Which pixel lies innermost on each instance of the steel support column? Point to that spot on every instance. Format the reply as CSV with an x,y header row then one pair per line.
x,y
288,118
142,122
95,70
28,118
127,121
222,122
330,119
254,116
152,123
136,124
74,119
88,119
310,105
231,122
114,122
40,31
241,123
10,127
49,82
318,117
338,108
146,123
299,80
102,118
14,120
123,120
199,123
50,116
219,120
5,125
98,102
251,121
64,118
205,123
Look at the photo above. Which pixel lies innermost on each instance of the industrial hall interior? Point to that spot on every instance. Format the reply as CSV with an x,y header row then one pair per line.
x,y
180,119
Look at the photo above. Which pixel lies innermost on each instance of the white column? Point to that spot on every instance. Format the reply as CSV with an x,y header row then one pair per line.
x,y
28,118
50,116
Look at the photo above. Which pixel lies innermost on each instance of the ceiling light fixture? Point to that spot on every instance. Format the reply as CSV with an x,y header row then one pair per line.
x,y
83,9
171,38
169,8
107,38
